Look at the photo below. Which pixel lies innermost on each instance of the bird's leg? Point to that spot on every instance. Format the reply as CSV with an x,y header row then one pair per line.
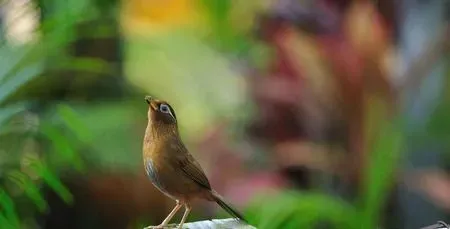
x,y
185,215
171,214
168,218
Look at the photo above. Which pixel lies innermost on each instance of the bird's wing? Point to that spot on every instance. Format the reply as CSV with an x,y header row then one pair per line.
x,y
191,168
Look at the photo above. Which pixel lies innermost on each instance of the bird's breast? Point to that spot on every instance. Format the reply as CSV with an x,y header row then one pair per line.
x,y
154,174
160,177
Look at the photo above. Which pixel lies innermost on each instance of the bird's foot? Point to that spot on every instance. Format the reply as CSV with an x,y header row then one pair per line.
x,y
168,226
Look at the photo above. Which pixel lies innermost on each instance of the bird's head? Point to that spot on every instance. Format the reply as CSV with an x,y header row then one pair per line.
x,y
160,114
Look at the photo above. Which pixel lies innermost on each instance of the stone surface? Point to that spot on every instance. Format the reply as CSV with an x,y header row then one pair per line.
x,y
212,224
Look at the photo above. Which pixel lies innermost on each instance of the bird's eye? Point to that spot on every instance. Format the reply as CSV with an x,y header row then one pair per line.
x,y
164,108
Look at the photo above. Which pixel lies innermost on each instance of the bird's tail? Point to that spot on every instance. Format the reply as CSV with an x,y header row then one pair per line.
x,y
219,200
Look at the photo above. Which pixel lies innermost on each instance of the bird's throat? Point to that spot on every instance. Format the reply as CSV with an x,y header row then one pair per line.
x,y
156,132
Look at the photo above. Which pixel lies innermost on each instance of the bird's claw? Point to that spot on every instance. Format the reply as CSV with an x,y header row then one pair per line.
x,y
168,226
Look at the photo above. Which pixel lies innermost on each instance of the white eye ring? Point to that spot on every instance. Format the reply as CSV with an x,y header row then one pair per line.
x,y
164,108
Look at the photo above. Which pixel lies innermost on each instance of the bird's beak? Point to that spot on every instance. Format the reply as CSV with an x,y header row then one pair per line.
x,y
150,101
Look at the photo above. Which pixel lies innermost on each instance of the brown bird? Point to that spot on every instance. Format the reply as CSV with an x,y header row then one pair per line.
x,y
170,166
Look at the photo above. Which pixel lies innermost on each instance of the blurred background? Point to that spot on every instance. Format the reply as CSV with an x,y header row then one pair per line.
x,y
303,113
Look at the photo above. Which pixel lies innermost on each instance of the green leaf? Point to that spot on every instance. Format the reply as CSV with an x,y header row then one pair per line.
x,y
301,210
73,121
10,58
29,187
10,110
8,208
217,10
382,163
5,222
23,75
52,180
62,146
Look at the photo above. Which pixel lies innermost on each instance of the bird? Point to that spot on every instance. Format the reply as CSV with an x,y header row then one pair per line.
x,y
170,166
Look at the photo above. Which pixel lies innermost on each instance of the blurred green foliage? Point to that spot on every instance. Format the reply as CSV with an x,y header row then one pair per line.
x,y
294,209
185,66
307,210
24,167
